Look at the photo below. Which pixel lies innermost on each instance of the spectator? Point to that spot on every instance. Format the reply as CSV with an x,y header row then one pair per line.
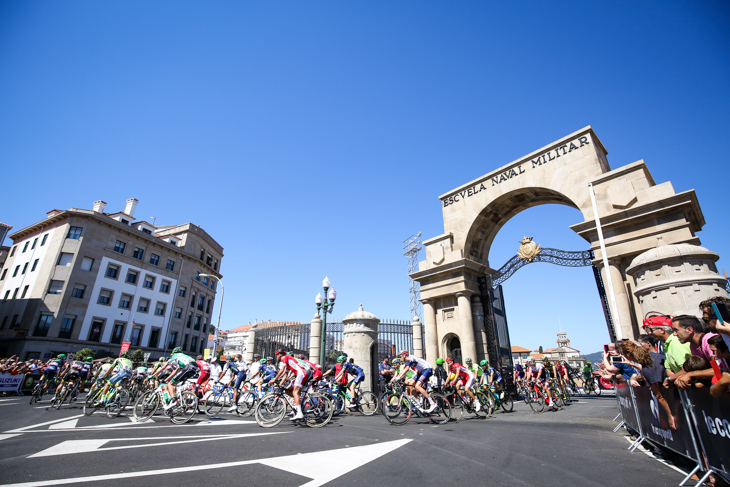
x,y
649,343
708,316
624,370
385,372
675,352
694,364
689,329
721,355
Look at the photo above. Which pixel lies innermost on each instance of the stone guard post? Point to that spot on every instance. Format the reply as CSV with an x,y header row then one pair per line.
x,y
360,335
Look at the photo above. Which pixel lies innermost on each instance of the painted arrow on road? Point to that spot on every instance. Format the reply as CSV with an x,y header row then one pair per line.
x,y
321,467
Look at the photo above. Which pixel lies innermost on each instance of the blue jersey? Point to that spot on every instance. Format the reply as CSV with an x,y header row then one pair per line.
x,y
352,368
497,376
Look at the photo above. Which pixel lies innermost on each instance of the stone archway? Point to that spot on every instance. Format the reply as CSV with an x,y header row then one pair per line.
x,y
634,211
451,346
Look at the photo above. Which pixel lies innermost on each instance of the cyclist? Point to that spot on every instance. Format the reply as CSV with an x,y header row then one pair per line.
x,y
519,374
316,369
234,370
70,373
270,372
492,376
440,373
539,374
475,369
422,370
256,372
120,371
339,378
53,367
182,367
102,371
204,376
86,371
352,369
462,377
301,371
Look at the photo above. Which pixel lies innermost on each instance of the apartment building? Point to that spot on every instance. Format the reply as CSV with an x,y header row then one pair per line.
x,y
85,278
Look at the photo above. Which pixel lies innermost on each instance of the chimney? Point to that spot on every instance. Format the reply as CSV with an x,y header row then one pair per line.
x,y
131,205
99,206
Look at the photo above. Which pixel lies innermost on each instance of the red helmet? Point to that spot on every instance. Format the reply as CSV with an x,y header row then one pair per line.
x,y
280,352
199,357
404,352
450,360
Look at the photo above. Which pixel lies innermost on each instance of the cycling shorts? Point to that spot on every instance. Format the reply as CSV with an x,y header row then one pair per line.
x,y
204,375
302,378
240,378
51,373
466,382
423,376
268,378
164,375
120,376
184,373
358,378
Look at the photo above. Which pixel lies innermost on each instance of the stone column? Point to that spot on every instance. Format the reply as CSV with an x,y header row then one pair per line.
x,y
466,325
429,321
477,316
360,342
622,298
315,339
250,344
417,337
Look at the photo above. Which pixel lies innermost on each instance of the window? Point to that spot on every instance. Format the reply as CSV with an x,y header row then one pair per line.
x,y
74,233
190,318
215,265
65,259
148,232
125,301
192,300
35,241
132,277
97,326
170,265
25,291
144,305
212,284
181,292
197,322
201,302
185,342
202,346
15,293
160,309
154,338
7,293
67,327
117,333
149,282
25,268
15,272
205,281
78,291
202,254
112,271
87,263
138,253
197,276
12,251
207,307
35,264
193,343
105,297
165,287
119,247
154,259
172,340
25,247
178,313
136,338
5,271
125,221
44,323
209,260
43,242
55,287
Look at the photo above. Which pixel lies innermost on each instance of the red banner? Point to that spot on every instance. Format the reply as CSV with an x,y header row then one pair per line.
x,y
125,348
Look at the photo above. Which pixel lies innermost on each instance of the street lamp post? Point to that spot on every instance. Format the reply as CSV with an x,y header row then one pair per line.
x,y
325,305
220,307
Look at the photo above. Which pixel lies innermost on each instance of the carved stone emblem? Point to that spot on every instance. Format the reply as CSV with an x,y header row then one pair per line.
x,y
528,250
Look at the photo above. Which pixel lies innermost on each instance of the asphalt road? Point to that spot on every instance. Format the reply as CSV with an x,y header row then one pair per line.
x,y
574,446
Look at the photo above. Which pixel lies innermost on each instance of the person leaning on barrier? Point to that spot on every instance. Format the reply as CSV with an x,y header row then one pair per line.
x,y
675,352
622,370
721,355
689,329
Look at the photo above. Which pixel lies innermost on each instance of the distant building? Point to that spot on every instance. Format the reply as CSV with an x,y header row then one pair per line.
x,y
564,352
236,340
85,278
520,355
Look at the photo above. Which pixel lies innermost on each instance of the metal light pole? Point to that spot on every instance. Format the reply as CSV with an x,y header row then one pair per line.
x,y
325,304
220,307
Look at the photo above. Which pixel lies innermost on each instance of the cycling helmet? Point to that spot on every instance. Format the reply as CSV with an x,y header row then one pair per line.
x,y
89,358
176,350
262,361
396,361
341,358
439,361
404,352
468,361
61,355
124,355
162,359
144,364
484,363
531,361
300,356
199,357
450,360
280,352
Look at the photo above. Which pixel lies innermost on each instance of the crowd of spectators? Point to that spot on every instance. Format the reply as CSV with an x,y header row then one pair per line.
x,y
14,365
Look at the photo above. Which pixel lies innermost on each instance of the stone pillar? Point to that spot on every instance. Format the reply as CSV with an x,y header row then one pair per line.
x,y
360,337
417,337
429,321
480,334
250,345
315,339
622,298
466,326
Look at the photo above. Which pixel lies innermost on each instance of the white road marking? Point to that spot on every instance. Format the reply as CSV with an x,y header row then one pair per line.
x,y
10,399
325,465
5,437
25,428
64,425
67,426
647,452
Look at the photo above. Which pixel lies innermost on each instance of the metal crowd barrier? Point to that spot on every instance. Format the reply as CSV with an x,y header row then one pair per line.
x,y
703,425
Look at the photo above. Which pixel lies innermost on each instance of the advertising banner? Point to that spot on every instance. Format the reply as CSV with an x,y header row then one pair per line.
x,y
713,424
29,381
655,422
125,348
626,405
11,382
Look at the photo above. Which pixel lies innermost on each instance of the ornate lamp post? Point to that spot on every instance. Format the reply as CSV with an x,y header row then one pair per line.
x,y
325,305
220,307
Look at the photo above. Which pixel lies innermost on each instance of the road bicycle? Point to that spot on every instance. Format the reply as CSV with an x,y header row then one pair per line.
x,y
501,399
114,401
537,397
460,402
40,388
590,385
148,403
69,390
364,402
398,408
271,409
217,398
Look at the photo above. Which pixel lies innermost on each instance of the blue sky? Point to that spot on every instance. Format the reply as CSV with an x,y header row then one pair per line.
x,y
312,138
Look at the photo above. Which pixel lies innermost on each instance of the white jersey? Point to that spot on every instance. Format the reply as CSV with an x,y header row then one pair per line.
x,y
417,364
535,369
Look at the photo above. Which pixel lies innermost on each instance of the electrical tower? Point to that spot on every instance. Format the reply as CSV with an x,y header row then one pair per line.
x,y
411,247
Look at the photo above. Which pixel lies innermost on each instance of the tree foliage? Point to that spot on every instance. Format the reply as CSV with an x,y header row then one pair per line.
x,y
137,356
540,349
85,352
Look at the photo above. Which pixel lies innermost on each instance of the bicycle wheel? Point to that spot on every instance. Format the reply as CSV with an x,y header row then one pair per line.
x,y
486,407
90,404
146,406
270,411
457,406
117,403
596,388
367,403
214,404
186,408
317,410
246,403
507,403
537,402
557,400
396,409
442,413
36,395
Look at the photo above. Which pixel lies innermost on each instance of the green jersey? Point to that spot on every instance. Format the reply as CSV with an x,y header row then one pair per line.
x,y
124,364
181,359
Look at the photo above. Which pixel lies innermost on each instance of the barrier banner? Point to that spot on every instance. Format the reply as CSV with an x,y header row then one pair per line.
x,y
655,424
712,416
11,382
626,405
